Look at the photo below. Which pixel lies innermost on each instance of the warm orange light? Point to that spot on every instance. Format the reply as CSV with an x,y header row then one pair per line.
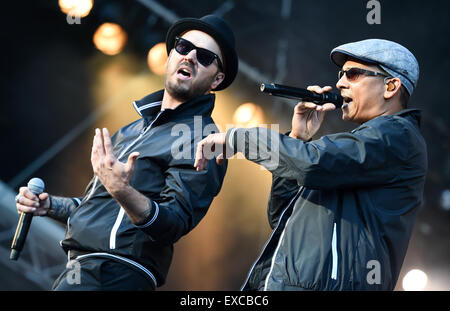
x,y
248,115
156,58
79,8
110,38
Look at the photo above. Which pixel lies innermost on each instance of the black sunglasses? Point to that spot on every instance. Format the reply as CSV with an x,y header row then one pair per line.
x,y
204,56
354,73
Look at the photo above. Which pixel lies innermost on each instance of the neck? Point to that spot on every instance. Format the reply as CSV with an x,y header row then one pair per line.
x,y
392,109
169,102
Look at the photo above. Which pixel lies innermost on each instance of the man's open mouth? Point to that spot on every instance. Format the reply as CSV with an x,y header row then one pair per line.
x,y
347,101
184,73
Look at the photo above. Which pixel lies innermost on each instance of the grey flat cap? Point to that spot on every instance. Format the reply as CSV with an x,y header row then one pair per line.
x,y
394,58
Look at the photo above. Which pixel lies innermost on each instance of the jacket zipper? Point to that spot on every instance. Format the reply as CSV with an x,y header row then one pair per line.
x,y
115,228
274,255
334,254
270,238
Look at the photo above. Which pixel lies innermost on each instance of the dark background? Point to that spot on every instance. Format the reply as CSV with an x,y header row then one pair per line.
x,y
47,90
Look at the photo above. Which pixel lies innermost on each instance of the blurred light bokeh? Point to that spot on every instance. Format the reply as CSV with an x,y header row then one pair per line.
x,y
57,88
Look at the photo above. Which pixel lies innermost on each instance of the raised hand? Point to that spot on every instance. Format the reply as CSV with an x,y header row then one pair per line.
x,y
308,116
113,174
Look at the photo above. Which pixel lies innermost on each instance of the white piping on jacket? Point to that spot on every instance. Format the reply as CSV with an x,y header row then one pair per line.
x,y
112,236
334,254
132,262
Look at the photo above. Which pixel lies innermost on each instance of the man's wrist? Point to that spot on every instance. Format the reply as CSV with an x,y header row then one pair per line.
x,y
136,205
305,139
60,208
120,190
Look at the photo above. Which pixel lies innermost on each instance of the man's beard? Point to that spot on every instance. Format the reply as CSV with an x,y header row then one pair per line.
x,y
184,92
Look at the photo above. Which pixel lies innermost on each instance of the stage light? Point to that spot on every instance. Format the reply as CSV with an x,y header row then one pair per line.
x,y
110,38
415,280
156,58
79,8
248,115
445,199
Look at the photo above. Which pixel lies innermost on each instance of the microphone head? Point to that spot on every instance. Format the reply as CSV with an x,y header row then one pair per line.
x,y
36,185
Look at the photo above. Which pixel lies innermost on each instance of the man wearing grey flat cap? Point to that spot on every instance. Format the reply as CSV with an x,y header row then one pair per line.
x,y
342,207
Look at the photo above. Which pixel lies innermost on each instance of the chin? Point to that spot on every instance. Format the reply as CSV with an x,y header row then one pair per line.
x,y
178,90
348,118
345,117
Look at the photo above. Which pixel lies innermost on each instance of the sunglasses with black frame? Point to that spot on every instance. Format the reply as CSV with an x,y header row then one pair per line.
x,y
354,73
204,56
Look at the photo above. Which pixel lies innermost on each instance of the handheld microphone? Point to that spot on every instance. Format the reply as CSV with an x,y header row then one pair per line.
x,y
301,94
36,185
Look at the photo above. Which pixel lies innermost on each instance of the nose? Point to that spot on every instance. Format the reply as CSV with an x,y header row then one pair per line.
x,y
191,56
342,83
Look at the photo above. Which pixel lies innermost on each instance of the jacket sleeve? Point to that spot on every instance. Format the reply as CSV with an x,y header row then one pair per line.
x,y
370,155
184,200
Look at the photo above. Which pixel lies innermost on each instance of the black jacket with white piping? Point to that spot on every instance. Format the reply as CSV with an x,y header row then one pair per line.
x,y
342,208
164,172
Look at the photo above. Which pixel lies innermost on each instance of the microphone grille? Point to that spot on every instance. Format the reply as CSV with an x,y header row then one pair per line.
x,y
36,185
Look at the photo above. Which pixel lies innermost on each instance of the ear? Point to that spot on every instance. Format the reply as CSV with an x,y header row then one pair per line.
x,y
393,86
220,76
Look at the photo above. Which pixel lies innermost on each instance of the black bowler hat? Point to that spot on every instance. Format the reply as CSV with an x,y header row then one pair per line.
x,y
220,31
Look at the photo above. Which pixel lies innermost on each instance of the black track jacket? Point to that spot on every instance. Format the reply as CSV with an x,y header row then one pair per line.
x,y
342,207
164,172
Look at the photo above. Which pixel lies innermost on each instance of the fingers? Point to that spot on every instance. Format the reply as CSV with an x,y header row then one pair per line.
x,y
98,146
107,142
97,150
328,107
28,202
211,146
220,159
201,154
43,196
319,90
102,155
200,161
26,193
303,107
131,160
25,208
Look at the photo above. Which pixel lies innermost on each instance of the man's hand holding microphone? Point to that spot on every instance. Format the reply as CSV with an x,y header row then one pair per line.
x,y
28,202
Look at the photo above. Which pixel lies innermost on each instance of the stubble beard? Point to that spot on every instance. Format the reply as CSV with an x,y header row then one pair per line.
x,y
184,91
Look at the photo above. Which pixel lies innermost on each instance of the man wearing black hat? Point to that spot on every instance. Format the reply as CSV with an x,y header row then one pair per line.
x,y
146,194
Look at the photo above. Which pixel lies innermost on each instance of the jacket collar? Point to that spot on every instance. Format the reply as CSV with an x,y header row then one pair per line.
x,y
412,114
150,105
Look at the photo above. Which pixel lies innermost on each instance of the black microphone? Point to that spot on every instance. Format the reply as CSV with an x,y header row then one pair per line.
x,y
301,94
36,185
